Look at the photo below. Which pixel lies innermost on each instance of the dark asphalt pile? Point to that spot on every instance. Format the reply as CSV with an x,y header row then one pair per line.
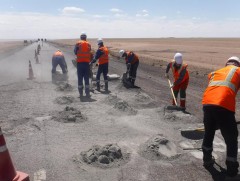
x,y
110,155
70,114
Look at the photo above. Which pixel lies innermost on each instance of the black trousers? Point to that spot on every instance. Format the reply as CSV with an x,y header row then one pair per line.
x,y
216,117
133,70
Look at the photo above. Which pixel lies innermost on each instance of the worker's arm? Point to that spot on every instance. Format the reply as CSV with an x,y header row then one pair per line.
x,y
167,70
76,48
130,58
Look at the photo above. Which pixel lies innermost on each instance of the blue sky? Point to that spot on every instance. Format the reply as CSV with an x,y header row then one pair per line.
x,y
119,19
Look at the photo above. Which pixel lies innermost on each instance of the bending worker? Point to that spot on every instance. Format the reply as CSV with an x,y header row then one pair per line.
x,y
181,78
102,57
219,112
132,62
83,52
58,59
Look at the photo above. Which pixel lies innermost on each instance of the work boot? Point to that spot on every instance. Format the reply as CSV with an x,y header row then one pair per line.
x,y
98,86
106,86
133,82
209,163
87,91
182,104
208,159
232,168
80,90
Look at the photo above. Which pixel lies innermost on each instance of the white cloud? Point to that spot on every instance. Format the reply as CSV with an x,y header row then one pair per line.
x,y
143,13
99,16
34,25
72,10
115,10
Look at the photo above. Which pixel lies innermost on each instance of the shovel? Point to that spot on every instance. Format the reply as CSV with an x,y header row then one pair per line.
x,y
174,98
193,134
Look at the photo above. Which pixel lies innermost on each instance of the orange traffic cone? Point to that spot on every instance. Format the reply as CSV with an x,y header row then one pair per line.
x,y
37,60
31,76
7,170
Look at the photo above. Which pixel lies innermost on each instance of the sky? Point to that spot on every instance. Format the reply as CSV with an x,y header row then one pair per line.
x,y
59,19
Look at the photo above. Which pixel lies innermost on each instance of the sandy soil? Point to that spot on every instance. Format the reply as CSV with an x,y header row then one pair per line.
x,y
128,134
8,47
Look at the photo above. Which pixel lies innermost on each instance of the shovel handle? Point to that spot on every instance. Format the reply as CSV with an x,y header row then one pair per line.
x,y
174,98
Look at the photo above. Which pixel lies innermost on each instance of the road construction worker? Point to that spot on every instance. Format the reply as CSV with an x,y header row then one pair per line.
x,y
219,113
58,59
181,78
83,52
132,62
102,57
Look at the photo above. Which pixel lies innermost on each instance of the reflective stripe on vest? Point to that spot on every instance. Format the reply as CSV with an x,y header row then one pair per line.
x,y
176,72
227,82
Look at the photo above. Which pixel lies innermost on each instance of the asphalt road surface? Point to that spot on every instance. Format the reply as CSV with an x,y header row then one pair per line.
x,y
47,127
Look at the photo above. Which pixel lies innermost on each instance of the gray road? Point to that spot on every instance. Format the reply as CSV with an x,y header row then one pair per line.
x,y
48,149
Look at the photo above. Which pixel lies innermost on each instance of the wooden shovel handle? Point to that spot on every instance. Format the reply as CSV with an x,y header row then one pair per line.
x,y
174,98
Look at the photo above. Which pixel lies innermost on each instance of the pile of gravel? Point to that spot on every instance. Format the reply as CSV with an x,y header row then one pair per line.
x,y
70,114
159,148
109,155
64,87
64,100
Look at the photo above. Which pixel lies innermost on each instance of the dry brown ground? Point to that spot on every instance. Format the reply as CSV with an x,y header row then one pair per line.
x,y
202,55
8,47
210,53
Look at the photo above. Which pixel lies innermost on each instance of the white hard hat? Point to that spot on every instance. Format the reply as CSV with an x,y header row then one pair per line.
x,y
234,59
121,52
100,40
178,58
83,34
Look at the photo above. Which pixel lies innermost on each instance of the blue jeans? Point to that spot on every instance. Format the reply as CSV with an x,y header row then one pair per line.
x,y
83,73
61,63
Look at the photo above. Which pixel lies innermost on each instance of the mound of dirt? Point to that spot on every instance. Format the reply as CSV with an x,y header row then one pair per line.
x,y
64,100
176,115
159,148
70,114
62,86
120,106
110,155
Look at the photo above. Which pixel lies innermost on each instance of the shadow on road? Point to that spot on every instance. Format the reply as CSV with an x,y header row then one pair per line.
x,y
87,99
219,173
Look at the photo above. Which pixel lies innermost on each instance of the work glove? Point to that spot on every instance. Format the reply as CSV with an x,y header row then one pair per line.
x,y
171,86
166,75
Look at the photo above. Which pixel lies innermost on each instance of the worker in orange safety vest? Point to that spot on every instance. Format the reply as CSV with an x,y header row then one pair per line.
x,y
83,52
132,62
181,78
102,56
219,113
58,59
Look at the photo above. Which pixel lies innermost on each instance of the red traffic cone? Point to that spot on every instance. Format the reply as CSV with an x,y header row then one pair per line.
x,y
7,170
31,76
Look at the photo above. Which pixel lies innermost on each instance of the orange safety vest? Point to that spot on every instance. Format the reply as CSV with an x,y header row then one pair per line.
x,y
84,51
223,87
177,72
104,57
58,53
135,57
